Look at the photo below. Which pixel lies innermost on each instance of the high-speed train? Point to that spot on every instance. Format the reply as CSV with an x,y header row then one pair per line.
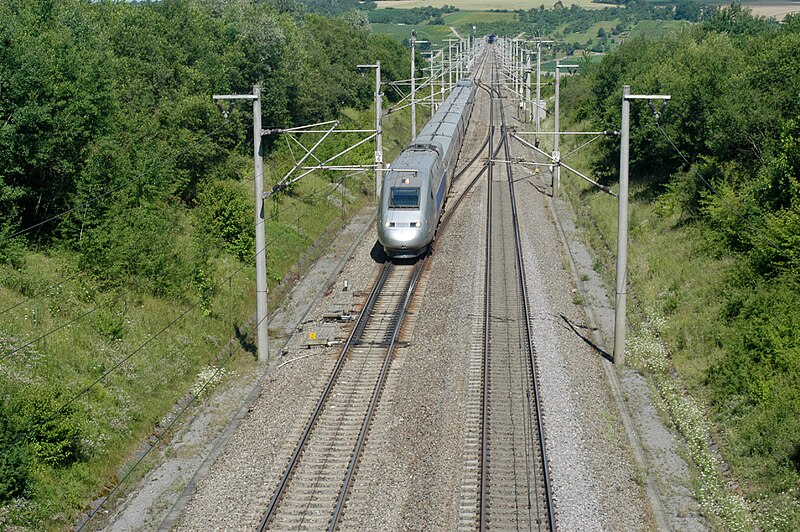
x,y
416,185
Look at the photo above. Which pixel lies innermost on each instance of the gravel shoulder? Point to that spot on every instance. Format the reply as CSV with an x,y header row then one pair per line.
x,y
657,451
593,472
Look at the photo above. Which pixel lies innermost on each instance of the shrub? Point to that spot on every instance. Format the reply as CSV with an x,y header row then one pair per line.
x,y
226,212
53,437
141,242
15,454
33,431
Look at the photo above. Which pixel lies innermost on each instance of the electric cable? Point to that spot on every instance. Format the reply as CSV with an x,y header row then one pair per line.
x,y
142,236
148,341
317,194
138,349
328,190
160,437
151,381
142,282
42,291
303,213
303,200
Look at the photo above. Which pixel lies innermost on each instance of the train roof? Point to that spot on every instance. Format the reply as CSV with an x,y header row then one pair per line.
x,y
455,115
437,134
419,161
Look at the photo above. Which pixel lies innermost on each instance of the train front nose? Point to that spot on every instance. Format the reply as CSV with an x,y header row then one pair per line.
x,y
402,238
403,241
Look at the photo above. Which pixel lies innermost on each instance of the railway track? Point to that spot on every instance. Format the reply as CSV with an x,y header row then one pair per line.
x,y
506,484
507,455
455,201
313,489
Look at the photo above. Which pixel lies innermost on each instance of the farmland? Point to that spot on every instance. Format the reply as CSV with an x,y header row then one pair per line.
x,y
585,36
779,10
657,28
434,34
460,18
479,5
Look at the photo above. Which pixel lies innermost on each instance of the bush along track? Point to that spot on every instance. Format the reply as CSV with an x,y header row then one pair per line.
x,y
713,248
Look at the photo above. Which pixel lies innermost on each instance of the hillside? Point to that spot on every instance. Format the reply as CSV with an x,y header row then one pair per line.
x,y
713,266
573,30
126,244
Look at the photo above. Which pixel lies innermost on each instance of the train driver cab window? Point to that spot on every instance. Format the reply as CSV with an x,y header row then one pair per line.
x,y
404,198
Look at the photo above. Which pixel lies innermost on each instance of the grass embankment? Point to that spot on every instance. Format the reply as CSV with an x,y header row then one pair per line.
x,y
111,358
112,365
676,289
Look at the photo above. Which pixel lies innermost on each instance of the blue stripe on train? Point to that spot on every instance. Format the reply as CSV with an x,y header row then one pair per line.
x,y
440,193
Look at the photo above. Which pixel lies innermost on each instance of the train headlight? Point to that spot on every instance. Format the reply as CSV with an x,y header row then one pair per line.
x,y
416,224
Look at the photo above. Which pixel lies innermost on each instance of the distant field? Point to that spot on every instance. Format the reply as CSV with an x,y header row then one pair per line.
x,y
657,28
471,17
779,10
590,33
483,5
434,34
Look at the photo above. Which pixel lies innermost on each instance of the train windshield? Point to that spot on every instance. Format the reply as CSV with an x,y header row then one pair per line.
x,y
404,198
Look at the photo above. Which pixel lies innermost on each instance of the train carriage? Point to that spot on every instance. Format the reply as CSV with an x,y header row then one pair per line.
x,y
415,187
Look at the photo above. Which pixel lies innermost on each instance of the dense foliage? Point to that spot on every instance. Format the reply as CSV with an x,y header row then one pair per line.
x,y
111,97
733,172
416,15
113,150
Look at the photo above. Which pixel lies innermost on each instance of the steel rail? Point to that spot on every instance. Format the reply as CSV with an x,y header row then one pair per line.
x,y
451,209
448,215
337,511
528,333
487,312
484,491
485,142
354,336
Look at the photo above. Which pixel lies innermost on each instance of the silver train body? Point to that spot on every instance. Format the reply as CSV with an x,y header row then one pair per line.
x,y
416,185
